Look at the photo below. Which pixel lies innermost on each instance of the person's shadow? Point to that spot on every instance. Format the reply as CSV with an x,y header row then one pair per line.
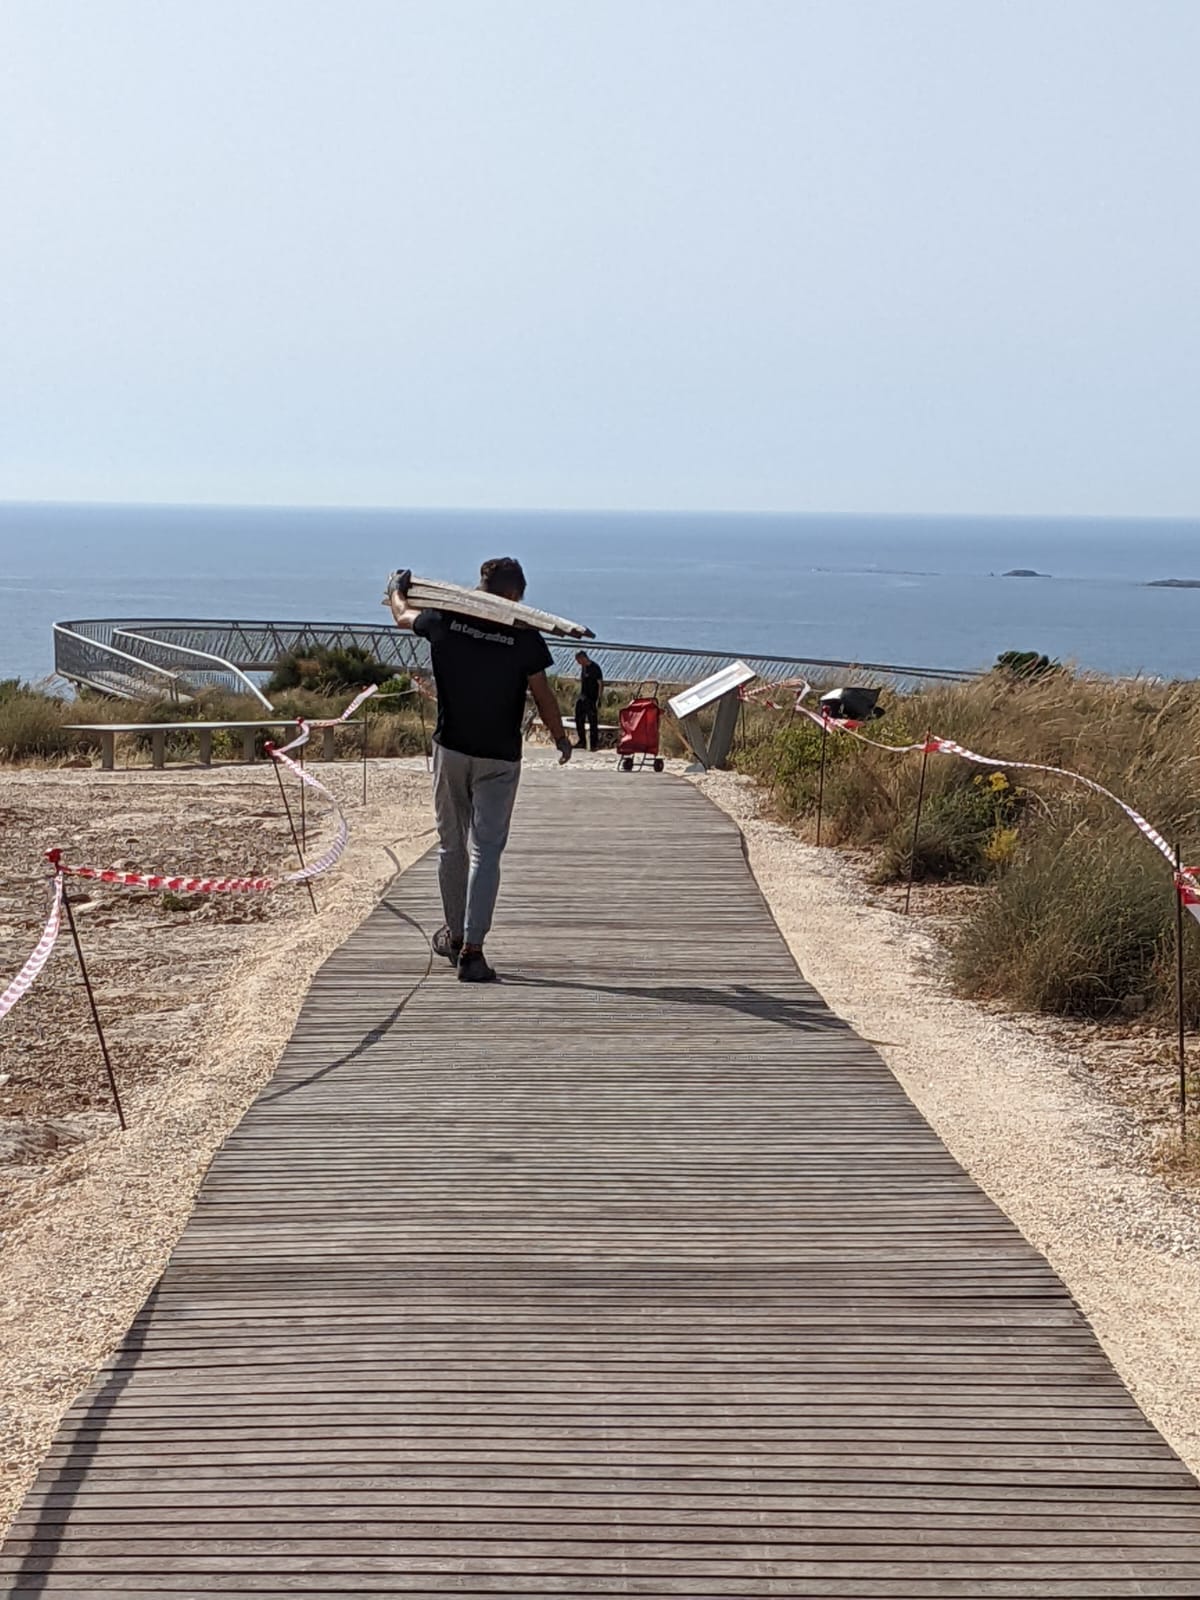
x,y
47,1538
804,1013
373,1036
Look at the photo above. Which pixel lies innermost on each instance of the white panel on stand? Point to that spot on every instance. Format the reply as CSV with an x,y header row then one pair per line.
x,y
721,690
730,678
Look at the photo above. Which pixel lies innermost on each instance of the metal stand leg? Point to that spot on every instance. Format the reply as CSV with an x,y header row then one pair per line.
x,y
821,778
87,984
292,826
912,855
1179,995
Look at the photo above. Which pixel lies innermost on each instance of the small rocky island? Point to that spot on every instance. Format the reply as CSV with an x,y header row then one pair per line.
x,y
1174,583
1024,572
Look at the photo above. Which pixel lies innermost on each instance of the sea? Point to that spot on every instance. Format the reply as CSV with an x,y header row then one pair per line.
x,y
906,590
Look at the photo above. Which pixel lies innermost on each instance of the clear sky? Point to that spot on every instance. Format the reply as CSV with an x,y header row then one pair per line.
x,y
812,255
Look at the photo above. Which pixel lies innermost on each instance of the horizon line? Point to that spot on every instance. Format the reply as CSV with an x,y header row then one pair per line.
x,y
598,511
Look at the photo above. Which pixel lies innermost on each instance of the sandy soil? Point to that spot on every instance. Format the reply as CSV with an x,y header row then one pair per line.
x,y
1023,1112
199,997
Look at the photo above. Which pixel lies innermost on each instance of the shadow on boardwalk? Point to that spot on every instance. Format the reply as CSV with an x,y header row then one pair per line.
x,y
803,1013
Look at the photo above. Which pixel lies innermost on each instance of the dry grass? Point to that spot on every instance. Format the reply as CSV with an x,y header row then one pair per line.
x,y
1078,916
33,724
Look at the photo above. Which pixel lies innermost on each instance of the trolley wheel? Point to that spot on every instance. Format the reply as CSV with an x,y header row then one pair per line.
x,y
627,764
659,764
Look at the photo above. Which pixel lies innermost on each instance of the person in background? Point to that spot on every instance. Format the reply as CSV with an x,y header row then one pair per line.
x,y
587,707
482,671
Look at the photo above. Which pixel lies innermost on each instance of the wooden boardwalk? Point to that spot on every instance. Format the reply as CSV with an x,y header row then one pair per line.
x,y
636,1275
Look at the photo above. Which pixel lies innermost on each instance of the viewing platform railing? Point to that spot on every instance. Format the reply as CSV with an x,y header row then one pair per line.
x,y
137,657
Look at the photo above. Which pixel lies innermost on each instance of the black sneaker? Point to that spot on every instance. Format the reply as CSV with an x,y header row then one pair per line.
x,y
445,944
473,968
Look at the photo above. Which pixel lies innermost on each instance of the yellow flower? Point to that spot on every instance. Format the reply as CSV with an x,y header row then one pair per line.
x,y
1001,847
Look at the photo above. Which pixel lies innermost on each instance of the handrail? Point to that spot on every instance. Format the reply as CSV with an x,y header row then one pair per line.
x,y
239,647
66,632
201,655
96,644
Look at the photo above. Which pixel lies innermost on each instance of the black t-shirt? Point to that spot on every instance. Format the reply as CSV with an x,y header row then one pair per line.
x,y
482,670
591,683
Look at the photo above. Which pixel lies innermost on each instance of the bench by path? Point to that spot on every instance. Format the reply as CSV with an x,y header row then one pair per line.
x,y
106,733
636,1275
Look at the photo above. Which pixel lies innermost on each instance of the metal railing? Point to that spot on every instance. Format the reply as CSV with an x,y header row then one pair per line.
x,y
199,667
230,651
93,663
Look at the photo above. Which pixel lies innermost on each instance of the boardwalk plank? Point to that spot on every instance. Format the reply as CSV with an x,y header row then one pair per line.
x,y
637,1274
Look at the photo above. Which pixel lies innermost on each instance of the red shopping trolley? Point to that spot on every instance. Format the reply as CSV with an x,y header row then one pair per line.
x,y
639,722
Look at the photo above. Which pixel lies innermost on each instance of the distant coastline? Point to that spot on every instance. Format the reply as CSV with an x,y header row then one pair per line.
x,y
1174,583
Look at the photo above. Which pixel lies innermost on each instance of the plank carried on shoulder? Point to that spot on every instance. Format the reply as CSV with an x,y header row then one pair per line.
x,y
429,594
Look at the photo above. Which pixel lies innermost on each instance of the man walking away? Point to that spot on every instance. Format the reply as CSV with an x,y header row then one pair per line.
x,y
587,707
482,670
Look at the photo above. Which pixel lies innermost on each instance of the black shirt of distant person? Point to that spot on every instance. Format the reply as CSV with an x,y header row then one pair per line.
x,y
482,671
587,706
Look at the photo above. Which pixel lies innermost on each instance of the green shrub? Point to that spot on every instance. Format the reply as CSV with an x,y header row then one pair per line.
x,y
968,828
328,671
1082,925
399,685
1026,664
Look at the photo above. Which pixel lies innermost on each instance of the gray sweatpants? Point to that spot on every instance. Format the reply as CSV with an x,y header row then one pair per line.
x,y
473,802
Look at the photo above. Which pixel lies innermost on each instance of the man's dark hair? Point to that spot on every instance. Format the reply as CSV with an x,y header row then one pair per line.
x,y
504,576
581,656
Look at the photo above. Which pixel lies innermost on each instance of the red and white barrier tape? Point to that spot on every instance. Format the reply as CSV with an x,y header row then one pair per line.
x,y
950,747
314,869
333,854
306,726
1187,880
182,883
754,693
359,699
196,883
199,883
24,979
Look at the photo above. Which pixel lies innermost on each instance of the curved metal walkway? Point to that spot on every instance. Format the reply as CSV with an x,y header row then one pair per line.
x,y
135,658
636,1275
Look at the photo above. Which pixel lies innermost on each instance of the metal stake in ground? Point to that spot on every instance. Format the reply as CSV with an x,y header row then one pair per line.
x,y
1179,994
303,786
87,984
912,854
292,824
821,778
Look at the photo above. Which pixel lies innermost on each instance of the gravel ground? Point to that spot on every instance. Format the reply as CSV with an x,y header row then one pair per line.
x,y
1022,1113
199,999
